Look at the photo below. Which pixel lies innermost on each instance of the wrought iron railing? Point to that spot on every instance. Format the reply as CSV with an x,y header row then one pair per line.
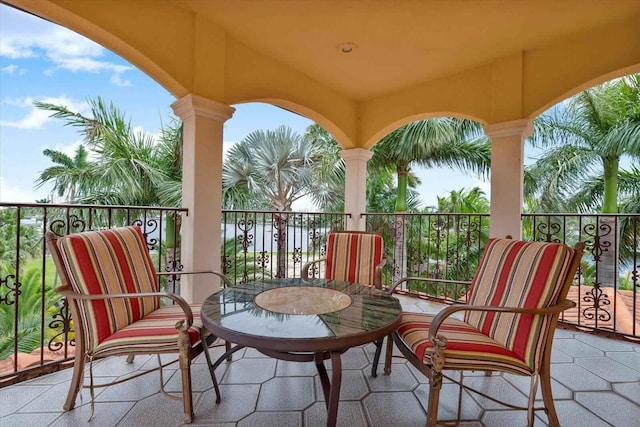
x,y
607,287
36,329
442,249
258,244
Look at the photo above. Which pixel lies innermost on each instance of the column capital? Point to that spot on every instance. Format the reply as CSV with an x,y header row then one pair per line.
x,y
522,128
356,154
194,105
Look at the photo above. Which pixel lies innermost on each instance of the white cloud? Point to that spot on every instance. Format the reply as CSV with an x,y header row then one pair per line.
x,y
68,149
65,49
13,70
36,118
10,193
116,79
226,146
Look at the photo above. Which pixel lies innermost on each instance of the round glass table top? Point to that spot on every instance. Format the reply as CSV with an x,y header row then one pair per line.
x,y
302,300
299,309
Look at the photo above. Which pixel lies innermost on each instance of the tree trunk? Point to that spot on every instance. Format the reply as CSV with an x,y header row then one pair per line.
x,y
607,252
399,247
280,224
400,227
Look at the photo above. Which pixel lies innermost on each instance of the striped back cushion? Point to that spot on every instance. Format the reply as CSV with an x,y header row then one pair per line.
x,y
514,273
109,262
353,257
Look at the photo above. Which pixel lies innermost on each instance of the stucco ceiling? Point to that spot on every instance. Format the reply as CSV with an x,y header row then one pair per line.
x,y
403,42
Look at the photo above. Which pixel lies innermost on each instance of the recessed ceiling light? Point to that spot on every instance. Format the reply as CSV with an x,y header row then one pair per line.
x,y
347,47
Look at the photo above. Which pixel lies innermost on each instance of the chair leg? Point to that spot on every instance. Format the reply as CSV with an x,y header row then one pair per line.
x,y
376,357
227,347
547,396
460,398
435,385
388,355
184,347
76,382
532,398
207,355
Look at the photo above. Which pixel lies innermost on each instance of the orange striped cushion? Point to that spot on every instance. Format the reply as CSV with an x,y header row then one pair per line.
x,y
109,262
514,273
155,333
467,348
353,257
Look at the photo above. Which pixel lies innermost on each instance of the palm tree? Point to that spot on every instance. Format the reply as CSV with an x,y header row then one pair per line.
x,y
452,142
585,139
130,168
473,200
274,168
68,173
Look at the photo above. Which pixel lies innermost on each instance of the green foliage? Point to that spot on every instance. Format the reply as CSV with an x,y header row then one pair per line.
x,y
116,165
270,170
29,240
584,140
451,142
241,265
26,310
473,200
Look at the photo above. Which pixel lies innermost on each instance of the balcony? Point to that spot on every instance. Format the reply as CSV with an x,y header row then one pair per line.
x,y
593,374
596,383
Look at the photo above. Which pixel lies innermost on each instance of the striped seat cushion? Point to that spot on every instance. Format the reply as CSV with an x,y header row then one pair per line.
x,y
154,333
353,257
467,347
110,262
514,273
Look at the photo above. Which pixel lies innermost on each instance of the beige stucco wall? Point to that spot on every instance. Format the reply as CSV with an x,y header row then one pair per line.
x,y
187,53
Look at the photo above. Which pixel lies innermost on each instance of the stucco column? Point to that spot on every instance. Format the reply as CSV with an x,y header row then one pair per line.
x,y
202,121
355,185
507,160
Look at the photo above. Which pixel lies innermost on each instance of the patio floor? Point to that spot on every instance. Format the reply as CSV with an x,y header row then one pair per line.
x,y
596,383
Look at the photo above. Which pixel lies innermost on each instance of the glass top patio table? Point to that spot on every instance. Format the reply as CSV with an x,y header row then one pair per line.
x,y
301,315
302,320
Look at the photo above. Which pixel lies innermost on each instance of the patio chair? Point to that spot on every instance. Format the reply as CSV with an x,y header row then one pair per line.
x,y
516,297
112,287
355,257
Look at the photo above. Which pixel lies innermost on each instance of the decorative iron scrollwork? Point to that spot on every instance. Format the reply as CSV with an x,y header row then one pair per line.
x,y
149,227
297,255
597,245
58,227
262,260
314,237
77,224
246,239
13,290
599,301
61,320
548,229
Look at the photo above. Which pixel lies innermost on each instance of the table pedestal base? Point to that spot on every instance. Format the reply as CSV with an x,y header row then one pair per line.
x,y
330,388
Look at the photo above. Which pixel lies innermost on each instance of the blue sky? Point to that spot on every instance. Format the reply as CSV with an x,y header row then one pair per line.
x,y
43,61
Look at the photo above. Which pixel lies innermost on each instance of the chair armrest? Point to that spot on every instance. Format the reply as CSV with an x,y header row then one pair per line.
x,y
70,294
227,282
378,273
448,311
304,273
425,279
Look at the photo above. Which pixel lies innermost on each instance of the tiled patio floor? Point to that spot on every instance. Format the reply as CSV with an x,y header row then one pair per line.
x,y
596,383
